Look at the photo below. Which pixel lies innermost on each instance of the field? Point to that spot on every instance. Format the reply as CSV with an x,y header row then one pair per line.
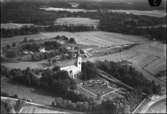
x,y
151,13
14,25
148,57
35,109
24,92
72,10
99,38
159,107
77,21
156,104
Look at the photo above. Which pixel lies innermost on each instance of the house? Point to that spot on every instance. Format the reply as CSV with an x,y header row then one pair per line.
x,y
42,50
74,5
28,52
75,69
25,52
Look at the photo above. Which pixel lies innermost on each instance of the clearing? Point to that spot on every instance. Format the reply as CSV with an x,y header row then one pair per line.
x,y
76,21
14,25
25,92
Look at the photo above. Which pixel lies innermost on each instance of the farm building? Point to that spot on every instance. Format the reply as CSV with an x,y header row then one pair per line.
x,y
42,50
74,5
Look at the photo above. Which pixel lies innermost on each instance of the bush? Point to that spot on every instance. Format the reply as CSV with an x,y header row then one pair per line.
x,y
72,40
129,76
5,107
19,104
56,68
11,53
88,71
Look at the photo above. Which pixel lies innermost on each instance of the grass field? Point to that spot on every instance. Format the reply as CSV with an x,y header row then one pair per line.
x,y
97,38
153,13
25,92
149,57
14,25
146,53
77,21
36,109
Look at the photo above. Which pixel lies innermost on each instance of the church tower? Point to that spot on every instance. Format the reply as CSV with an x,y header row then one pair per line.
x,y
79,61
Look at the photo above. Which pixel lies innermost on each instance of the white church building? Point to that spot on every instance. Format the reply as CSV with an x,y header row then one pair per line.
x,y
75,69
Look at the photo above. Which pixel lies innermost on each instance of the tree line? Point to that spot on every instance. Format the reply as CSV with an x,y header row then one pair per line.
x,y
35,30
109,21
64,88
132,26
129,76
58,82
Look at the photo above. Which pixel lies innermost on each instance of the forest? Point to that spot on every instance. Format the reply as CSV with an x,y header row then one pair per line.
x,y
124,73
63,87
109,21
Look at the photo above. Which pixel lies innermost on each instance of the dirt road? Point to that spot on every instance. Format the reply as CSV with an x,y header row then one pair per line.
x,y
157,104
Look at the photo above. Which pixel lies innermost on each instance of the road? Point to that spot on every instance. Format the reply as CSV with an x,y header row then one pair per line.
x,y
38,108
157,104
158,107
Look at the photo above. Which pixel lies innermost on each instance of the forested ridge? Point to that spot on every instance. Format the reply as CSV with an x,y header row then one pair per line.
x,y
109,21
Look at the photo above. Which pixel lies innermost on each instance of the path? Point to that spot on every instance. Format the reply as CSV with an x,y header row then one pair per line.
x,y
39,107
156,105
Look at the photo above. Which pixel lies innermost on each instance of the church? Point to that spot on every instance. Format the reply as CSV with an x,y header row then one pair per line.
x,y
75,69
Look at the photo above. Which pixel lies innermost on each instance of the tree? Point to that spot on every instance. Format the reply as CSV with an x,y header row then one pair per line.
x,y
6,107
19,104
88,71
14,44
11,53
72,40
8,46
25,40
108,107
56,68
128,75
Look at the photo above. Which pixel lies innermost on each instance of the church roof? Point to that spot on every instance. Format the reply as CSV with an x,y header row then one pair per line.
x,y
66,63
72,67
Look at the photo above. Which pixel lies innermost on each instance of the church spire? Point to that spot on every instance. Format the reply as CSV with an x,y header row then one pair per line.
x,y
78,60
78,53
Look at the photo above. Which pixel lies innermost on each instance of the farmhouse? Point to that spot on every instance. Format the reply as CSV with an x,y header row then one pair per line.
x,y
75,69
74,5
42,50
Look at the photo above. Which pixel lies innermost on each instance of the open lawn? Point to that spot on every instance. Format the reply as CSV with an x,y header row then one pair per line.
x,y
97,38
35,110
77,21
14,25
152,13
25,92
